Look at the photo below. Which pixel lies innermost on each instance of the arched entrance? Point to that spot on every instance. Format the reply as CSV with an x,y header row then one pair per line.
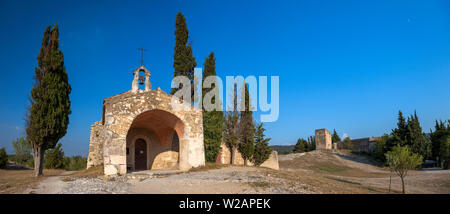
x,y
153,141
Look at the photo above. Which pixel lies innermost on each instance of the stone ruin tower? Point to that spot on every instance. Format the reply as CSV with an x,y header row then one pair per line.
x,y
323,139
140,130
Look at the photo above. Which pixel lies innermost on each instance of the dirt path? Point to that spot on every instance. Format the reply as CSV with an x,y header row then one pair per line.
x,y
51,185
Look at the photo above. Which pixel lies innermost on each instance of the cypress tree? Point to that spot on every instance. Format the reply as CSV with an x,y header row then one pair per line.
x,y
213,121
311,143
231,137
48,116
415,138
335,137
398,134
246,128
262,148
401,131
183,59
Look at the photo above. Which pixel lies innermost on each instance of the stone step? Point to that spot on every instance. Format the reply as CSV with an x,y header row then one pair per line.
x,y
142,175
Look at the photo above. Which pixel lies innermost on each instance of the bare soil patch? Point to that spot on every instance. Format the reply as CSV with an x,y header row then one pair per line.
x,y
15,179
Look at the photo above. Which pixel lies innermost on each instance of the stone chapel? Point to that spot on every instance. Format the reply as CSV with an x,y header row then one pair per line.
x,y
141,130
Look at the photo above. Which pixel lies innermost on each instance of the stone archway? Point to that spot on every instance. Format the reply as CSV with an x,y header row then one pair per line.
x,y
160,130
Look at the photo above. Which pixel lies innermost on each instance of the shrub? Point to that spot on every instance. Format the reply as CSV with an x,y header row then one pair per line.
x,y
3,158
22,150
75,163
54,158
347,143
380,148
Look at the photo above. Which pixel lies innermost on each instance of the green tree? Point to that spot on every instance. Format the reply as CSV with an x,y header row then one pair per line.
x,y
231,137
380,148
246,127
54,158
262,148
445,152
301,146
48,116
311,143
437,138
76,163
183,59
415,138
335,137
22,150
347,143
213,121
401,160
3,158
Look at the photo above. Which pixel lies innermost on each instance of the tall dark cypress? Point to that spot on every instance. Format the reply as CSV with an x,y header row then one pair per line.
x,y
230,136
415,138
246,128
213,121
47,118
183,59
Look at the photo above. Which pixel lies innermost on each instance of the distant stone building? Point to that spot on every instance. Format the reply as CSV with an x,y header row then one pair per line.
x,y
323,139
366,144
140,129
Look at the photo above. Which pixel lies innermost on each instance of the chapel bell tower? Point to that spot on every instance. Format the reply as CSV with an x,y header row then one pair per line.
x,y
141,77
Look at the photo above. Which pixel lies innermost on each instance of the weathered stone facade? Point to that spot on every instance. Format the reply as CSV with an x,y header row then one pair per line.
x,y
173,137
224,157
323,139
96,145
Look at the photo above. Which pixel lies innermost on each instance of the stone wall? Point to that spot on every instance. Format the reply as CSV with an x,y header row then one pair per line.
x,y
360,145
323,139
97,139
224,157
272,162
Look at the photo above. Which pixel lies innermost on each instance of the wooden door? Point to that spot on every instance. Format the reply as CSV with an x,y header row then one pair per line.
x,y
140,154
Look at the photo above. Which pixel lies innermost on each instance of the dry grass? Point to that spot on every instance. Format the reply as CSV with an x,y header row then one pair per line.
x,y
327,163
17,180
89,173
259,184
206,167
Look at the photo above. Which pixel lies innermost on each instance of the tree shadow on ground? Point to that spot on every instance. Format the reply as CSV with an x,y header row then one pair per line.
x,y
364,159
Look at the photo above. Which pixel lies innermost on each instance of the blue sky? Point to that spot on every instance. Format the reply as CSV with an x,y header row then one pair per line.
x,y
348,65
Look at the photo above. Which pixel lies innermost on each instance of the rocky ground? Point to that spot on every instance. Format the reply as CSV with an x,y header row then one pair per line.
x,y
312,172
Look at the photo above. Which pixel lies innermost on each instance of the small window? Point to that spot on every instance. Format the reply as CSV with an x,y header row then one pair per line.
x,y
128,151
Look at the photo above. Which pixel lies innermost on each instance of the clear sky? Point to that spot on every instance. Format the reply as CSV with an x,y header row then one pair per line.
x,y
348,65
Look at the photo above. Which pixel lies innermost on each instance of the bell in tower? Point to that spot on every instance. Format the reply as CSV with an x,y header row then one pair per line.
x,y
141,77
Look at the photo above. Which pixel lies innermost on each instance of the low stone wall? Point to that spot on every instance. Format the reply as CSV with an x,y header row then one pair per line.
x,y
272,162
224,157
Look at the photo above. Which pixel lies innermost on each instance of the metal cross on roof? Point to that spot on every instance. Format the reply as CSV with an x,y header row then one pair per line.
x,y
142,55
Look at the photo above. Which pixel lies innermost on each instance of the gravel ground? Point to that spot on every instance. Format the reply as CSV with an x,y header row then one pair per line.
x,y
312,172
95,186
